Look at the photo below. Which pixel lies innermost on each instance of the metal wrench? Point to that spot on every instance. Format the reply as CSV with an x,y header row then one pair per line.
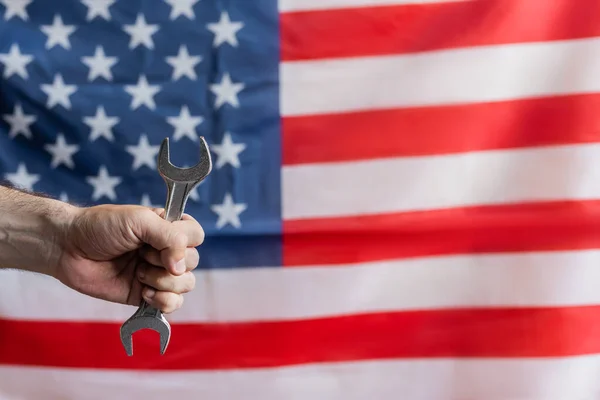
x,y
180,182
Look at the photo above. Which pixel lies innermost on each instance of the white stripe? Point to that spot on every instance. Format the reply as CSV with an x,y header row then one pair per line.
x,y
510,379
306,5
536,279
442,77
434,182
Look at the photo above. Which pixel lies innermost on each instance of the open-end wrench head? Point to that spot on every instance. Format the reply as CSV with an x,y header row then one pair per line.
x,y
137,323
193,174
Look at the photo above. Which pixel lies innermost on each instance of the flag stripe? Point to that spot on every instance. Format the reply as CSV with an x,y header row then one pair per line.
x,y
469,332
480,74
494,229
402,28
456,180
545,279
491,379
441,130
287,6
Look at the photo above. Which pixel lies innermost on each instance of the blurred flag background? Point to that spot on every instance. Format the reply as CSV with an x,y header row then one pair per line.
x,y
403,202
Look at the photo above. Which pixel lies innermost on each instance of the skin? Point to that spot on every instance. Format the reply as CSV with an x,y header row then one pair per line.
x,y
116,253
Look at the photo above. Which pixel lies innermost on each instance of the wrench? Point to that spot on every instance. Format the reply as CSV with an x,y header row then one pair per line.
x,y
180,182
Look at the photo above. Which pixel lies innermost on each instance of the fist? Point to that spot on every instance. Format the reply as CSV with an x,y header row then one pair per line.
x,y
123,253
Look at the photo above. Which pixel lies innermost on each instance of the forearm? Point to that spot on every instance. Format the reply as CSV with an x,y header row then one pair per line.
x,y
31,231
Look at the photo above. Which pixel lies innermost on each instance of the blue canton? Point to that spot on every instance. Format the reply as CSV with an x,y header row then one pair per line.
x,y
90,88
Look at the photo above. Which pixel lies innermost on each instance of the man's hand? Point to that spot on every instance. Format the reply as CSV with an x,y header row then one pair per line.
x,y
121,253
118,253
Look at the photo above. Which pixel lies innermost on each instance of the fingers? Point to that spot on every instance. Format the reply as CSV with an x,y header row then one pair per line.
x,y
171,238
161,280
167,302
157,258
170,257
163,290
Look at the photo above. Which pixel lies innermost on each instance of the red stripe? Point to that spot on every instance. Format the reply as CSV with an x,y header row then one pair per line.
x,y
369,31
441,130
440,333
507,228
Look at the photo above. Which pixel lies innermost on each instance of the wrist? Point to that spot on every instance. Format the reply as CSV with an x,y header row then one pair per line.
x,y
33,231
56,221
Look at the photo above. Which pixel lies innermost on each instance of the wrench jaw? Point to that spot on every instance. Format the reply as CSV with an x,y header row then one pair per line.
x,y
181,181
145,318
133,325
170,172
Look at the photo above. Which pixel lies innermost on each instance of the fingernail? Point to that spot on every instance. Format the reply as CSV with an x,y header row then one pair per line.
x,y
149,293
180,266
141,274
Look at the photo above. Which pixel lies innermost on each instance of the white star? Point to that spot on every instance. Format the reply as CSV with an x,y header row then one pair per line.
x,y
101,125
227,91
98,8
183,64
225,30
22,178
99,64
62,152
58,92
182,7
63,197
185,124
15,62
143,153
142,93
16,8
228,152
19,122
147,202
58,33
141,33
228,212
104,184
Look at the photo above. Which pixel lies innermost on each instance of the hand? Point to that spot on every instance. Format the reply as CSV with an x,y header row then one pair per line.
x,y
120,253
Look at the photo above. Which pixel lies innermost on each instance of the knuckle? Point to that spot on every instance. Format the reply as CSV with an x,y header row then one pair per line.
x,y
157,279
166,283
171,302
179,284
190,282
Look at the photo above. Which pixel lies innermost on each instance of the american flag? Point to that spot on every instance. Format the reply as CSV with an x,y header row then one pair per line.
x,y
403,204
